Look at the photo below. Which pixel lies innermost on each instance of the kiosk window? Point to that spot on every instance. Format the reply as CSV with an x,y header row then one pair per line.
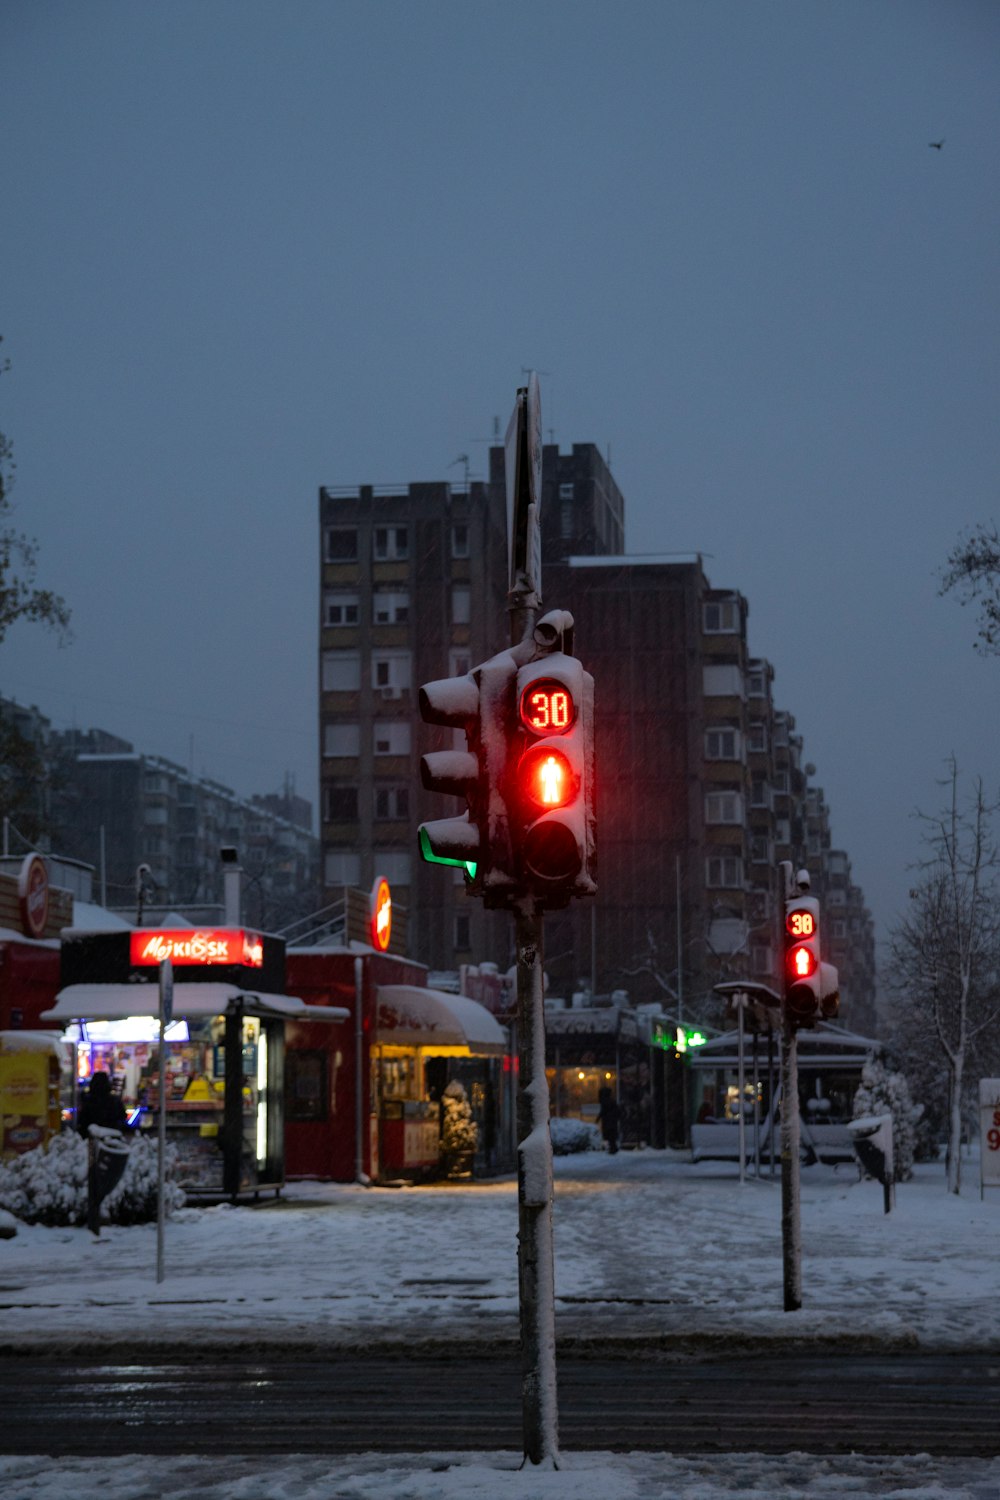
x,y
305,1085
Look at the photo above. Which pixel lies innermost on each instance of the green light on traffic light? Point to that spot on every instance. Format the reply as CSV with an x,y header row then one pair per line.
x,y
427,853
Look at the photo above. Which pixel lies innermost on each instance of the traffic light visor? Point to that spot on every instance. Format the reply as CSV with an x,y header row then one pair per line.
x,y
546,707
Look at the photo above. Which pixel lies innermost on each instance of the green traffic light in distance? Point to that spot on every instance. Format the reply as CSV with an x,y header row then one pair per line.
x,y
427,853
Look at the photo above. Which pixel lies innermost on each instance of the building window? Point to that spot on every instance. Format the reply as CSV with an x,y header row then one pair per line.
x,y
341,739
757,736
390,608
722,617
724,807
342,867
391,673
460,539
394,865
462,932
341,544
566,519
341,671
392,802
340,609
783,830
305,1085
461,606
459,662
340,804
760,792
391,543
761,850
723,744
725,680
761,960
756,685
391,737
839,927
781,782
724,872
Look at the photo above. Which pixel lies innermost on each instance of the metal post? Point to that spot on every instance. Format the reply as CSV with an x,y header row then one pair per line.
x,y
360,1082
741,1005
756,1107
161,1146
791,1230
536,1279
680,961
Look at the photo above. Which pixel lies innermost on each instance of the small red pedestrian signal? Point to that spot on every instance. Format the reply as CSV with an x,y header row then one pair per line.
x,y
801,963
548,778
547,707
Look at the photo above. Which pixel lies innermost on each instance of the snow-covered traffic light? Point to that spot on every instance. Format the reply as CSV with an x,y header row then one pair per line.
x,y
551,776
481,704
803,969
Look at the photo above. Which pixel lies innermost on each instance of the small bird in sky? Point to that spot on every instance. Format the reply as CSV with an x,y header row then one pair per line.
x,y
935,145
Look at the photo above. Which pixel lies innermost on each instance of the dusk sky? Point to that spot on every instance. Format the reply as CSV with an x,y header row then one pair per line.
x,y
252,248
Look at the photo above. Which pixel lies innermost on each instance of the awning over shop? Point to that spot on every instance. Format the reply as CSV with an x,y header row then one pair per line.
x,y
409,1016
113,1002
827,1046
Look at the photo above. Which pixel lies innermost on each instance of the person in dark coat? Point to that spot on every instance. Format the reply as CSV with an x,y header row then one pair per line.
x,y
607,1113
100,1106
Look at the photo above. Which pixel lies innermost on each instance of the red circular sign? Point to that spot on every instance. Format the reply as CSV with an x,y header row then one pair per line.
x,y
547,707
381,915
33,895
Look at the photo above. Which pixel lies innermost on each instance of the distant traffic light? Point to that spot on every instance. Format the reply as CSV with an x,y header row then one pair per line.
x,y
803,970
551,776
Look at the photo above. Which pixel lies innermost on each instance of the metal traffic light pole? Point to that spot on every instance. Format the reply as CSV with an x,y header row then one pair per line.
x,y
535,1263
791,1215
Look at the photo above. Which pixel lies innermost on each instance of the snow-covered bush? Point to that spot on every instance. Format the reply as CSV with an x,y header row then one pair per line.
x,y
573,1135
49,1185
459,1131
881,1093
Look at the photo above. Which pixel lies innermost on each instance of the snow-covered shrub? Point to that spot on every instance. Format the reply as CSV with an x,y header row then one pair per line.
x,y
881,1093
133,1200
573,1135
459,1131
49,1185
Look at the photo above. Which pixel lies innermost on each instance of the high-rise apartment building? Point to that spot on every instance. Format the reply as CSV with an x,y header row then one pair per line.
x,y
701,783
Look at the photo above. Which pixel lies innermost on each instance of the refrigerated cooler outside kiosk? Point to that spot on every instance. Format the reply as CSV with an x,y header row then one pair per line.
x,y
225,1123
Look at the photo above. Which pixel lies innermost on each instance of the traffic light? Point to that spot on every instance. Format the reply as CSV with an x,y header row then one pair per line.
x,y
803,969
480,703
551,780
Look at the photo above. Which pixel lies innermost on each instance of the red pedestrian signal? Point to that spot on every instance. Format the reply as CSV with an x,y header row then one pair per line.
x,y
801,963
803,971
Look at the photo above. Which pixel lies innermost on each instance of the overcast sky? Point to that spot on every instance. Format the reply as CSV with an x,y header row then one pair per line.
x,y
251,248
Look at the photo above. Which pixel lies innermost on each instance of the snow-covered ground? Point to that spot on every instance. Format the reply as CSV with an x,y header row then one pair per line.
x,y
646,1244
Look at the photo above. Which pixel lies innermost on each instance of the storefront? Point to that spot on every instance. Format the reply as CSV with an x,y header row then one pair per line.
x,y
225,1123
589,1049
830,1060
33,911
365,1102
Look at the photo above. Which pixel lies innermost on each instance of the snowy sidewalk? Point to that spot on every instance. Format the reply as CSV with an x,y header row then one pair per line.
x,y
648,1246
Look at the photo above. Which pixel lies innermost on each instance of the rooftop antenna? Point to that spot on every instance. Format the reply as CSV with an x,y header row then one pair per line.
x,y
463,458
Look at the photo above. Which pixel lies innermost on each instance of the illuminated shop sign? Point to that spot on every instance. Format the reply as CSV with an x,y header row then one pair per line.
x,y
205,945
381,914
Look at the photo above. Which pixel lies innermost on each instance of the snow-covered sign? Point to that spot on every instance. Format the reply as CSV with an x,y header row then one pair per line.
x,y
989,1133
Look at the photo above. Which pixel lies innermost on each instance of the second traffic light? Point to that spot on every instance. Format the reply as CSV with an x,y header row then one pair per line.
x,y
478,839
811,986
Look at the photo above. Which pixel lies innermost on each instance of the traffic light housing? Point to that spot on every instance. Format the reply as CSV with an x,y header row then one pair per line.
x,y
811,986
551,780
479,703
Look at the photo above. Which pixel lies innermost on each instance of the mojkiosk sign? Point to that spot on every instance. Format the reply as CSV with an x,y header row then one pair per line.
x,y
203,945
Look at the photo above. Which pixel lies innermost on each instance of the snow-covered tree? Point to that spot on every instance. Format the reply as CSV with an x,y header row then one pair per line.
x,y
883,1092
459,1131
946,954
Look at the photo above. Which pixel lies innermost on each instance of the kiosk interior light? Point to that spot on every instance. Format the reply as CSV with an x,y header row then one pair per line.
x,y
129,1029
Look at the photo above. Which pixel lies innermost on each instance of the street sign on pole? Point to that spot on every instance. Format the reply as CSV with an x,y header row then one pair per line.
x,y
166,1015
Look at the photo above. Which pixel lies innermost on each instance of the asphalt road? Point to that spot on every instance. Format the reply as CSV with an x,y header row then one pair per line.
x,y
944,1404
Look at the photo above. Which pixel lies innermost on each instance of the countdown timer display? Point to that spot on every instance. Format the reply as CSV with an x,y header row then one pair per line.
x,y
547,707
800,924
